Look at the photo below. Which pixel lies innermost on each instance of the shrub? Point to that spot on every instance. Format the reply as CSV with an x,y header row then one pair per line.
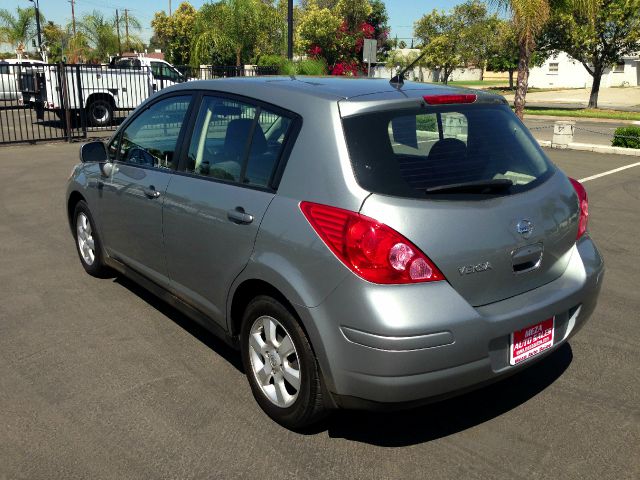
x,y
628,137
272,61
312,67
287,68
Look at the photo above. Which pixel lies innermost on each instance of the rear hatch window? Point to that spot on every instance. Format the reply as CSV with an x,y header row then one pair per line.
x,y
478,149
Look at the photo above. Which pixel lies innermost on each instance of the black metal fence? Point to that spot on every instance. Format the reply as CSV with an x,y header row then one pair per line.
x,y
66,102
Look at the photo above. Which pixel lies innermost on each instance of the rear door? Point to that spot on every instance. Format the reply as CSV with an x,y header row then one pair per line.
x,y
470,187
132,198
215,204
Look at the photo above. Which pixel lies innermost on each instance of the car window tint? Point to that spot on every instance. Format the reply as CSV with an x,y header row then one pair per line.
x,y
220,138
407,153
266,146
150,139
416,134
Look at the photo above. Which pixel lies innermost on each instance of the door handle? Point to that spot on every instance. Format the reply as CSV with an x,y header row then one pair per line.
x,y
151,192
238,215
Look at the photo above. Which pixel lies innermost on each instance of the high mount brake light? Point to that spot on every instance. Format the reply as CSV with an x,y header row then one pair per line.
x,y
369,248
449,99
583,203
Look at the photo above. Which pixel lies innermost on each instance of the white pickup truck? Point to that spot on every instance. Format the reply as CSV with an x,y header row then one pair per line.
x,y
10,71
102,90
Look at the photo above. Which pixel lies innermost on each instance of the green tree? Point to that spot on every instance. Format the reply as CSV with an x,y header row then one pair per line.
x,y
304,4
354,12
18,29
530,18
453,39
176,33
232,24
318,27
378,19
130,27
597,37
96,36
504,52
55,39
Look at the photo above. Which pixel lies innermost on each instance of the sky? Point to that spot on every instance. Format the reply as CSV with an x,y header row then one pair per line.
x,y
402,13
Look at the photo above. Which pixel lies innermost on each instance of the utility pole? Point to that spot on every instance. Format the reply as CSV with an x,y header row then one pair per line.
x,y
73,16
290,30
36,5
169,7
126,30
118,30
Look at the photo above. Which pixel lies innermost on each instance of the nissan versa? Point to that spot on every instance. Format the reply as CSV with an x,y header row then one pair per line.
x,y
364,243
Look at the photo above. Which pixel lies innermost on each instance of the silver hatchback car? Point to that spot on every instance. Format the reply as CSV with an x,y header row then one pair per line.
x,y
364,244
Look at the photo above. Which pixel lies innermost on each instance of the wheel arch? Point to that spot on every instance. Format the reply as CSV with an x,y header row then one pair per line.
x,y
73,200
253,287
100,96
248,290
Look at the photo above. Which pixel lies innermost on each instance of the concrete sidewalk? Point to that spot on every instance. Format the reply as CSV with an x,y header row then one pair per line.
x,y
624,99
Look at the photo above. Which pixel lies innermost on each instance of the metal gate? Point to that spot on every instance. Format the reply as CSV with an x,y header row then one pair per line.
x,y
66,102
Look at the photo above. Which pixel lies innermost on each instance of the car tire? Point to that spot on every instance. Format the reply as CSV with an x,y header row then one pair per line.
x,y
271,361
100,113
88,242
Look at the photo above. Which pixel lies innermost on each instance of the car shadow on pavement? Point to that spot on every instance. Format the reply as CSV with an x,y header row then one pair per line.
x,y
444,418
404,427
190,326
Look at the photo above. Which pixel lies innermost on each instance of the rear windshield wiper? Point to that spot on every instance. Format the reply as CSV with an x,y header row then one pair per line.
x,y
478,186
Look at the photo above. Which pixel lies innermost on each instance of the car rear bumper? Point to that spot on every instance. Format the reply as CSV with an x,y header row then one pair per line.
x,y
396,344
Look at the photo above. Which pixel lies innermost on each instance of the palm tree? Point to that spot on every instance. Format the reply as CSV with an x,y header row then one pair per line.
x,y
529,18
128,25
18,29
97,34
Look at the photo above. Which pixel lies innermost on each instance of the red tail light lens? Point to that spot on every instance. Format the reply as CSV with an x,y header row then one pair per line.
x,y
448,99
369,248
583,202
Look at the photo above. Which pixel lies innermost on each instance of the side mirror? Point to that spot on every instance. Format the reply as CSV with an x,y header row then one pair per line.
x,y
93,152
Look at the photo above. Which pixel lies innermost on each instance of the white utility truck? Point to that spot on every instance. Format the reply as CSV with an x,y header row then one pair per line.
x,y
102,90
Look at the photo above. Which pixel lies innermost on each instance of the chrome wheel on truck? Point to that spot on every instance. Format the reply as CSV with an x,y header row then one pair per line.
x,y
100,113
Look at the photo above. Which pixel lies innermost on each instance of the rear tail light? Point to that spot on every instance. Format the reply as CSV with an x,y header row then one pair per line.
x,y
369,248
448,99
583,203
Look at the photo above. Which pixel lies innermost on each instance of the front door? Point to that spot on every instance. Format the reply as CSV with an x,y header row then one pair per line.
x,y
132,198
214,206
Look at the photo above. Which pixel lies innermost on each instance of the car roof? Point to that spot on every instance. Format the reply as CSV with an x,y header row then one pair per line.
x,y
329,88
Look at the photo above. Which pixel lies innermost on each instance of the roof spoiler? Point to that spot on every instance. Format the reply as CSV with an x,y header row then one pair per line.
x,y
398,80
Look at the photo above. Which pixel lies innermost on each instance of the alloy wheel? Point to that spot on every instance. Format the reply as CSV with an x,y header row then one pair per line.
x,y
274,361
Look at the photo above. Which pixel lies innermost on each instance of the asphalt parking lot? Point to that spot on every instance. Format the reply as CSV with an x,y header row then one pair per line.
x,y
98,379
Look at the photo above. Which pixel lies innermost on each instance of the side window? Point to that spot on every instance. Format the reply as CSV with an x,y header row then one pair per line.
x,y
156,69
266,146
4,69
220,138
150,139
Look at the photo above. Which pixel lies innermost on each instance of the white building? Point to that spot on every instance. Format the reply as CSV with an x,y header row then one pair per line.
x,y
423,74
563,71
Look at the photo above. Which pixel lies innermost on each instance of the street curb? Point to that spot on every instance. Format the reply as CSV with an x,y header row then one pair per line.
x,y
590,147
581,119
